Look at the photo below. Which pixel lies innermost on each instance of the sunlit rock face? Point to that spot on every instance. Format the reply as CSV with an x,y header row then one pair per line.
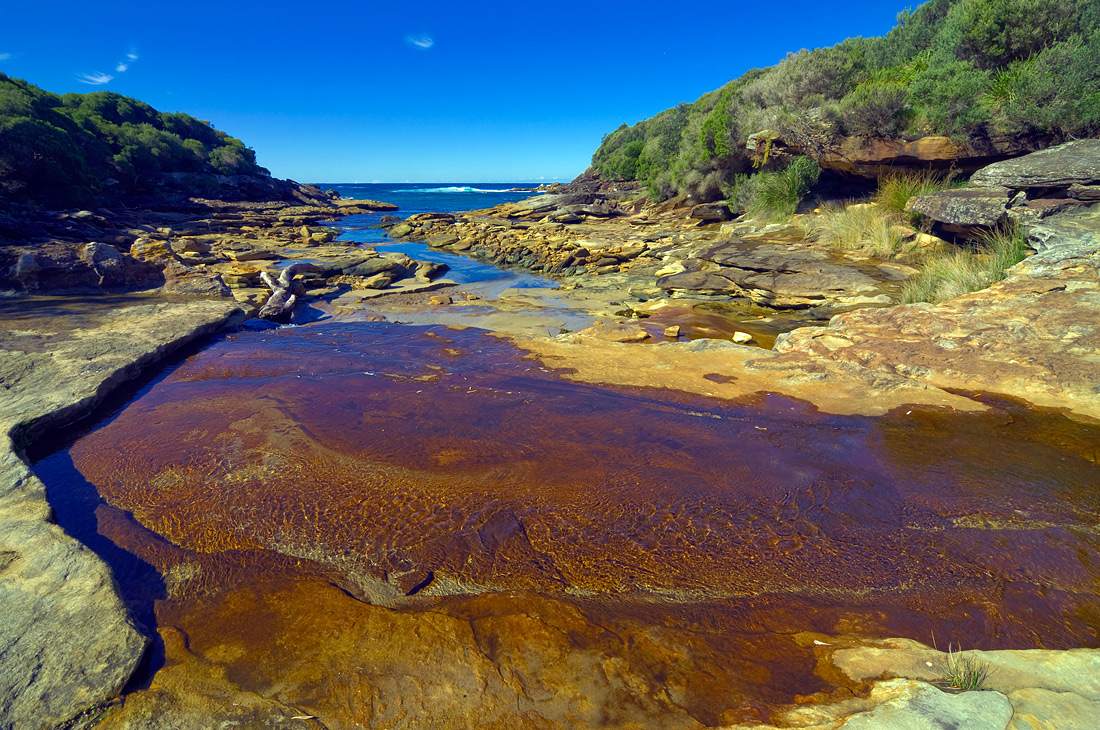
x,y
597,553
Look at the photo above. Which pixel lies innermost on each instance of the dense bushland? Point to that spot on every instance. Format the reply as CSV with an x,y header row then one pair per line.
x,y
961,68
66,149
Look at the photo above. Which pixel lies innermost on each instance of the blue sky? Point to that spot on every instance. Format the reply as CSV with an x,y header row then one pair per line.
x,y
417,91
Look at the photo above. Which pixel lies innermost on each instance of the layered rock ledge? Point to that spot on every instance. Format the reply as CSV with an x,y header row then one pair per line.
x,y
67,639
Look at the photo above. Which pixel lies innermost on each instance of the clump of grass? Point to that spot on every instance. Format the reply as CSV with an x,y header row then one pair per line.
x,y
775,195
1006,246
864,228
962,271
964,672
878,229
896,188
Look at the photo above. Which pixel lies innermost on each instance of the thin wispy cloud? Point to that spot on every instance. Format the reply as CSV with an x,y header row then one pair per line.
x,y
4,56
423,42
96,79
124,65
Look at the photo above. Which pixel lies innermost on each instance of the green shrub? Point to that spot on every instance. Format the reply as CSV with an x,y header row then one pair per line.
x,y
42,161
874,109
775,195
994,33
949,67
947,99
57,148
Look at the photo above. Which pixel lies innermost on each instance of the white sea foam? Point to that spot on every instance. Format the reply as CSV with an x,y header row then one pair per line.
x,y
465,189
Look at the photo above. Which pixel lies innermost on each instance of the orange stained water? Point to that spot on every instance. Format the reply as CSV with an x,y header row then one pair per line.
x,y
385,459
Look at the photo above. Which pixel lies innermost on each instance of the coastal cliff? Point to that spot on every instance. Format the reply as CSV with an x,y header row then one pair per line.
x,y
957,84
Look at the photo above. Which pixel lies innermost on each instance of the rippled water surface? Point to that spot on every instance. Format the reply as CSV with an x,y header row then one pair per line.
x,y
387,460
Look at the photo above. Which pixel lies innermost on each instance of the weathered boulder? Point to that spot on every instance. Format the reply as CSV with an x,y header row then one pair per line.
x,y
697,281
711,212
565,216
379,265
151,249
962,210
25,271
1084,192
598,209
429,270
616,332
442,239
1076,162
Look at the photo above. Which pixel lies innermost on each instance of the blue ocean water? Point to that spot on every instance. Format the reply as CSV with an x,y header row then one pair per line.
x,y
434,198
443,197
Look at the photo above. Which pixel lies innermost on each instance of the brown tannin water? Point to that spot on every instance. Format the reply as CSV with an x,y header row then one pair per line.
x,y
284,494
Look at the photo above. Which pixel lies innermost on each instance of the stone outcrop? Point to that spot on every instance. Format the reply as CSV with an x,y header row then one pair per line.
x,y
67,641
872,157
1048,689
1025,190
756,264
962,210
1073,163
774,275
711,212
210,248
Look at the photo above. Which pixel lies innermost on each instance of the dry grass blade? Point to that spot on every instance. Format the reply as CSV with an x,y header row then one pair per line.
x,y
962,271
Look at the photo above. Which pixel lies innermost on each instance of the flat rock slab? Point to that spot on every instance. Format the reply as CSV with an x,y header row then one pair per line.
x,y
1072,163
1042,708
1032,336
1047,689
616,332
907,705
778,274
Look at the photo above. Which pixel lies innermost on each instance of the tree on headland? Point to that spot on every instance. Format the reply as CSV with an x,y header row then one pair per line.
x,y
64,149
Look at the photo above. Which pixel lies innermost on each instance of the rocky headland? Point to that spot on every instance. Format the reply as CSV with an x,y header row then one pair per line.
x,y
661,296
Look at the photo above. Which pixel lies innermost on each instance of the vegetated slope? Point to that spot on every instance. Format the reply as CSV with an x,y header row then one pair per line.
x,y
74,148
987,72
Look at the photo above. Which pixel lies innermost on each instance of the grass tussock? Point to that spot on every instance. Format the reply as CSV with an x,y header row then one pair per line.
x,y
895,189
964,672
881,228
962,271
861,228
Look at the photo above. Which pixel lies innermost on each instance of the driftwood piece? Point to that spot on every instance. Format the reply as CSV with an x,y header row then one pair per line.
x,y
280,305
